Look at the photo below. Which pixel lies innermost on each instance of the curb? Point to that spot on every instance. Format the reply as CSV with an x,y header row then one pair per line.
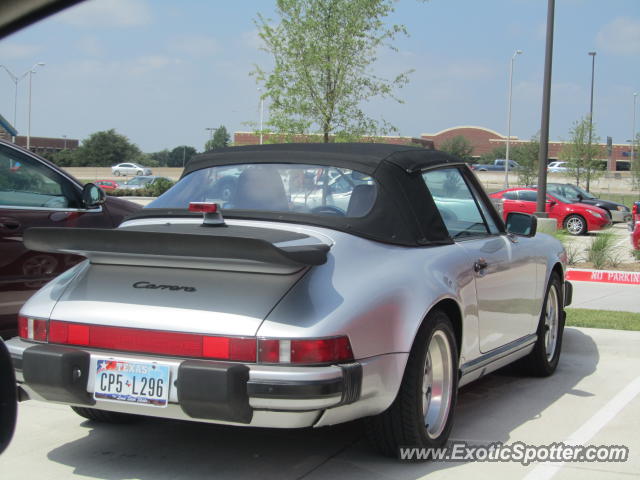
x,y
603,276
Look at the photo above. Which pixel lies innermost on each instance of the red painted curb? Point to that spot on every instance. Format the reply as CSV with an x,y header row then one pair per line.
x,y
604,276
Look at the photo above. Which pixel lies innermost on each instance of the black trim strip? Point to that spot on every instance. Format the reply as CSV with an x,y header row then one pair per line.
x,y
497,354
299,390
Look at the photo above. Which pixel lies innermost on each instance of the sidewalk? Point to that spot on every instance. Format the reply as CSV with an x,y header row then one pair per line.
x,y
606,296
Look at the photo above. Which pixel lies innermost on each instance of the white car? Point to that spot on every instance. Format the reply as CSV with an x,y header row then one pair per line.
x,y
557,167
129,169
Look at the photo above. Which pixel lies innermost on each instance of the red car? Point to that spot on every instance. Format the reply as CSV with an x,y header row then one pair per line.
x,y
635,235
576,218
107,184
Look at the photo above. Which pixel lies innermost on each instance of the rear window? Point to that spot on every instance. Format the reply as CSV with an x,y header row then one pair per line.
x,y
295,188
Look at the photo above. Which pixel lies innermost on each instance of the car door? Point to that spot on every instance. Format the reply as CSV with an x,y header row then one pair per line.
x,y
34,194
503,267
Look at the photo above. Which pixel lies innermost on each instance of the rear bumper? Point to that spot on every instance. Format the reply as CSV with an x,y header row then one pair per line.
x,y
218,392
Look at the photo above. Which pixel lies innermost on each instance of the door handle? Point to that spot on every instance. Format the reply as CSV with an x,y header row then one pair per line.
x,y
9,223
480,265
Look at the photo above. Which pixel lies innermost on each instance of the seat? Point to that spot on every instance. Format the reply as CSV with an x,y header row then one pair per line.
x,y
362,198
260,188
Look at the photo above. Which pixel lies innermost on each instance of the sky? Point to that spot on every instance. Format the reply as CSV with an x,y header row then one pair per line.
x,y
161,72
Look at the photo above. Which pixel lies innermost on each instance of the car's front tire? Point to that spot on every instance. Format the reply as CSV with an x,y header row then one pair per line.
x,y
117,173
422,413
105,416
543,359
575,225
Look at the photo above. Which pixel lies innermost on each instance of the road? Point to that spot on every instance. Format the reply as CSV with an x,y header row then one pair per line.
x,y
582,400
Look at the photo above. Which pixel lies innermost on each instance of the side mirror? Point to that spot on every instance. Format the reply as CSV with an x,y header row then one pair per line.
x,y
551,202
580,197
8,401
92,196
522,224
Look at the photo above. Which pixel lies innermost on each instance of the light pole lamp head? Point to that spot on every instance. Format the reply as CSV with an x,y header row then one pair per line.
x,y
518,52
593,54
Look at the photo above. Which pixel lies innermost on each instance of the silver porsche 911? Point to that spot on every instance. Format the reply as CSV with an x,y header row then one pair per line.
x,y
283,306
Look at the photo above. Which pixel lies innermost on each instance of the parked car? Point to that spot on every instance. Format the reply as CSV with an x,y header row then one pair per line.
x,y
557,167
497,165
576,218
617,212
129,169
635,212
635,235
40,194
107,184
268,314
8,400
141,181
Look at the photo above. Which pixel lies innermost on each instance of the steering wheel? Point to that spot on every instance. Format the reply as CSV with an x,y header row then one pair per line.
x,y
328,210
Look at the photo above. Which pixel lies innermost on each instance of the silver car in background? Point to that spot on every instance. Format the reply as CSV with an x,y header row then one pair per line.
x,y
129,169
263,309
141,182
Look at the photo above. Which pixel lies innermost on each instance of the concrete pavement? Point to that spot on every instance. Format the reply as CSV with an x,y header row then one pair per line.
x,y
596,365
606,296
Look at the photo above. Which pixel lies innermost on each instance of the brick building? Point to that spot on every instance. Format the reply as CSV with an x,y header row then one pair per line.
x,y
482,139
46,145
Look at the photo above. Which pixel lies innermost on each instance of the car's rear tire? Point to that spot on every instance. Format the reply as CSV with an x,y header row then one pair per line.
x,y
543,359
575,224
105,416
417,417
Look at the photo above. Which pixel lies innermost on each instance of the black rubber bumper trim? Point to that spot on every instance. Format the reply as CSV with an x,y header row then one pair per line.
x,y
348,386
299,390
568,293
214,391
58,374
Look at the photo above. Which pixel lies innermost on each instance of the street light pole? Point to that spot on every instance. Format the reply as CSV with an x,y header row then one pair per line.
x,y
506,163
15,79
593,65
31,71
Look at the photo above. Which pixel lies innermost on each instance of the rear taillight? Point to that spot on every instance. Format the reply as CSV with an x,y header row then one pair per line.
x,y
236,349
34,329
305,351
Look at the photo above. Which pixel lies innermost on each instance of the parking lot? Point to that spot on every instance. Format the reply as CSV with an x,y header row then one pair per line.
x,y
582,401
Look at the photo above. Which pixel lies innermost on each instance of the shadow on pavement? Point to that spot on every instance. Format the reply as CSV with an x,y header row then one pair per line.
x,y
488,411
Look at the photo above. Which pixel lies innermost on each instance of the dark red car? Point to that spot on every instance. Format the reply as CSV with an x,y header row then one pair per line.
x,y
39,194
576,218
107,184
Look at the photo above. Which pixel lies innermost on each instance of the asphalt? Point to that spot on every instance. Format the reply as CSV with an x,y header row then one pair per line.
x,y
592,399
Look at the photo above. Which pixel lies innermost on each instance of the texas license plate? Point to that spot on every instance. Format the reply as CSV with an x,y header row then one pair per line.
x,y
145,383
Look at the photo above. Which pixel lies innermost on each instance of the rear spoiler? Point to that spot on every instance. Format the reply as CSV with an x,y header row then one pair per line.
x,y
217,252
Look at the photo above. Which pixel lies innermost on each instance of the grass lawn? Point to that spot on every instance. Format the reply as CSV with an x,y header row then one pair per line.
x,y
582,317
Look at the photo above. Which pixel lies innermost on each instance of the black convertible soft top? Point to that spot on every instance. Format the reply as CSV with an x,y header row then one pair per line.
x,y
404,212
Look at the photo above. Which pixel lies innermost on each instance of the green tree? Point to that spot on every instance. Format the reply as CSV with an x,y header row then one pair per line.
x,y
105,149
323,52
458,146
635,162
219,139
180,156
584,161
526,154
161,158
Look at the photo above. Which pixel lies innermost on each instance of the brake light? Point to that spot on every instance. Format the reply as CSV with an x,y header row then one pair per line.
x,y
305,351
239,349
203,207
34,329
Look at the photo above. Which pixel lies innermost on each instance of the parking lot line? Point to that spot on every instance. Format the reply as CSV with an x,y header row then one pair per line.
x,y
589,429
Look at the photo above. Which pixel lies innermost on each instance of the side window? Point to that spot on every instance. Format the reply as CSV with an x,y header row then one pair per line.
x,y
25,182
528,196
512,195
455,202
